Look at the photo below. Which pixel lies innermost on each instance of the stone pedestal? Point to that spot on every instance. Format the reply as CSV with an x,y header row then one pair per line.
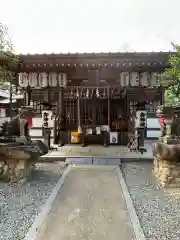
x,y
167,150
15,164
167,164
15,170
167,173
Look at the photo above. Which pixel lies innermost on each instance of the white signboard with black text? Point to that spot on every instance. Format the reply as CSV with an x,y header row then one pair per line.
x,y
141,119
113,137
47,119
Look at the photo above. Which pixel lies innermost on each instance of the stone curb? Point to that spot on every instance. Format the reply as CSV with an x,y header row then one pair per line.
x,y
139,234
34,229
123,159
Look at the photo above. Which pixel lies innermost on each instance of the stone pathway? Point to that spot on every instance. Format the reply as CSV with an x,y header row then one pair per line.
x,y
90,205
99,151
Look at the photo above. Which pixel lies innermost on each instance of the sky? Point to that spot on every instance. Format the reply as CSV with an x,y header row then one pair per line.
x,y
46,26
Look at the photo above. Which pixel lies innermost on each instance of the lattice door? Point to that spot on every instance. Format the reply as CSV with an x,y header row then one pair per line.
x,y
94,112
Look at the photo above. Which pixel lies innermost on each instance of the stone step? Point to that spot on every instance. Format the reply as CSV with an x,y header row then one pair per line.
x,y
93,160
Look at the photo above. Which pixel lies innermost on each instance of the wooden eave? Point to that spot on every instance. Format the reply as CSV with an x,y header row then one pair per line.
x,y
95,60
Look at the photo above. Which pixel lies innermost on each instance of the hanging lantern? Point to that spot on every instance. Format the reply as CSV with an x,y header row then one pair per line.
x,y
144,79
62,79
23,80
53,79
134,79
33,79
154,80
124,79
43,80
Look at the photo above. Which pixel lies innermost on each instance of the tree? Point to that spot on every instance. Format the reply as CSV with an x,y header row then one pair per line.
x,y
8,59
171,77
126,47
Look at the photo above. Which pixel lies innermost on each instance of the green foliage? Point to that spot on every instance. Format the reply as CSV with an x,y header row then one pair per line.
x,y
171,77
8,59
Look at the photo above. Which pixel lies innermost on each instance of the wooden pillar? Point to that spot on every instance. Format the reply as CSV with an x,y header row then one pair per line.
x,y
61,101
47,131
94,105
61,116
107,133
27,96
78,112
161,95
80,130
47,95
109,109
126,112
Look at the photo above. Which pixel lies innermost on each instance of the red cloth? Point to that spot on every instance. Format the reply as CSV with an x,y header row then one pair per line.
x,y
29,120
162,123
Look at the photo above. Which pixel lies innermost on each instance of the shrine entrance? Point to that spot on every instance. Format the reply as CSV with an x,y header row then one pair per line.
x,y
94,112
94,115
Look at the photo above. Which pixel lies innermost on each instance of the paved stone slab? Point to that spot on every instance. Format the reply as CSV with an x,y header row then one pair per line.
x,y
80,160
107,161
97,152
90,205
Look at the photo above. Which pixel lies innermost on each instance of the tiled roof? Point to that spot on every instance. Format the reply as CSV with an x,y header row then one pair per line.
x,y
96,54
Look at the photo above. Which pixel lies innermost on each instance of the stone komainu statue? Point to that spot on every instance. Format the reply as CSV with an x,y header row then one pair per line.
x,y
15,128
19,127
165,151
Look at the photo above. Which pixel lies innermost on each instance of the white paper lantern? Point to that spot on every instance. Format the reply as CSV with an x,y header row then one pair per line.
x,y
62,79
53,79
43,80
23,80
144,79
154,79
124,79
33,79
134,79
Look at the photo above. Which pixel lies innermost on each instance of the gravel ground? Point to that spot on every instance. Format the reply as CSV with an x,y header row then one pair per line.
x,y
158,209
21,204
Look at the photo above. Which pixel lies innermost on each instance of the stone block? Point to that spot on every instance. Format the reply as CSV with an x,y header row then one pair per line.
x,y
175,172
107,161
166,171
177,180
18,154
16,170
79,160
165,165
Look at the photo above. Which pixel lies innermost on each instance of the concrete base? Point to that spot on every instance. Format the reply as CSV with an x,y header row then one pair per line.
x,y
97,152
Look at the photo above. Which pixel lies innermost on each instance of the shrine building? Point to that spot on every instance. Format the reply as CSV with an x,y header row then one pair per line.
x,y
92,90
